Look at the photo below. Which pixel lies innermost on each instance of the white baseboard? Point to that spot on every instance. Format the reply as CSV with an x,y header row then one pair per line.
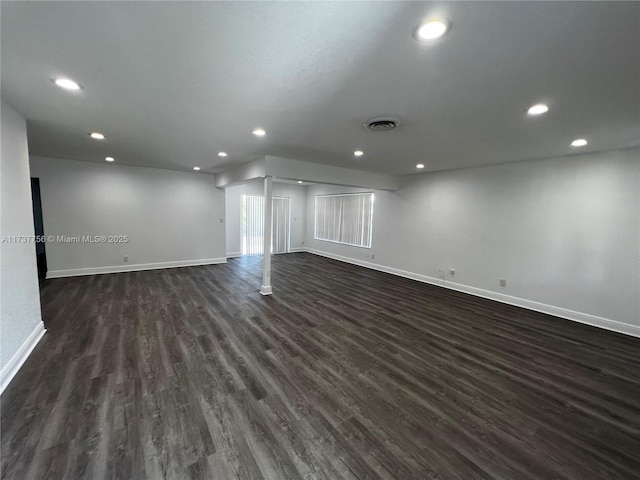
x,y
13,365
291,250
586,318
133,268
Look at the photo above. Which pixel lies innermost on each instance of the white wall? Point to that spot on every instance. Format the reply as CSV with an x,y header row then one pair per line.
x,y
246,172
171,218
563,232
298,195
20,318
288,169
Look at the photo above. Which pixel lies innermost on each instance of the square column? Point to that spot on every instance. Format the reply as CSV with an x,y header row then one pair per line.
x,y
268,222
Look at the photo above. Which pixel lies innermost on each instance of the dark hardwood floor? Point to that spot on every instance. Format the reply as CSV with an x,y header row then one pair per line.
x,y
345,373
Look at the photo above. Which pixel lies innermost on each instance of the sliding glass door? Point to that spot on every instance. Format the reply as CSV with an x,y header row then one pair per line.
x,y
253,224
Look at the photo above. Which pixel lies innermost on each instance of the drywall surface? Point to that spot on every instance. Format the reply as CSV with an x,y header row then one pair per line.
x,y
20,313
564,233
285,168
246,172
168,218
298,196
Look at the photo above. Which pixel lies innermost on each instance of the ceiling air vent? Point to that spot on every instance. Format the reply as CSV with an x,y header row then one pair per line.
x,y
381,124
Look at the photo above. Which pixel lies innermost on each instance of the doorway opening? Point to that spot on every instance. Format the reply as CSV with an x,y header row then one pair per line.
x,y
41,254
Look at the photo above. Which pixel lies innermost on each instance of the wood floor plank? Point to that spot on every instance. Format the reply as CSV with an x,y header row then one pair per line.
x,y
344,373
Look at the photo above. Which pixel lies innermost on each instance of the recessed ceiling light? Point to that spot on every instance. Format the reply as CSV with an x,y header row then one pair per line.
x,y
110,159
538,109
67,84
96,136
432,29
358,153
222,154
420,165
579,142
259,132
196,168
299,181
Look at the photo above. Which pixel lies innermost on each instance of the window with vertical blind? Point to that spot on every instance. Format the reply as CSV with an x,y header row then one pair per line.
x,y
345,218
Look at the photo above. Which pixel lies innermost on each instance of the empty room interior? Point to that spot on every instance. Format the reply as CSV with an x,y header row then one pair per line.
x,y
320,240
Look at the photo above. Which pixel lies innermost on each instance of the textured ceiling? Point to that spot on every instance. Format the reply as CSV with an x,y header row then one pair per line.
x,y
172,83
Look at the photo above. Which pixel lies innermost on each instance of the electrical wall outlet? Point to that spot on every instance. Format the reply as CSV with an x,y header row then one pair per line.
x,y
503,282
125,258
373,256
452,271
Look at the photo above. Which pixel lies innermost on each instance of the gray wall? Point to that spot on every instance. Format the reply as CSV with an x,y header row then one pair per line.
x,y
171,218
20,313
233,208
563,232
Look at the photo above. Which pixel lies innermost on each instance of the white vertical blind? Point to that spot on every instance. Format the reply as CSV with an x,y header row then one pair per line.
x,y
253,225
345,218
281,225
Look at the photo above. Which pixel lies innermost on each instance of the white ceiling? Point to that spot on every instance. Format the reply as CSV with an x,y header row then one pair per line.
x,y
170,84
